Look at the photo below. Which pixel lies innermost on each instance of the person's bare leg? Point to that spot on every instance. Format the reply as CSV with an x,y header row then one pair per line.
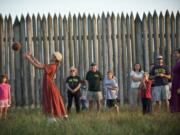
x,y
157,106
117,109
98,105
158,103
5,112
90,105
1,109
167,105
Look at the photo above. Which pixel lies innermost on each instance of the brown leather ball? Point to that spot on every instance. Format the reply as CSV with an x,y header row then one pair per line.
x,y
16,46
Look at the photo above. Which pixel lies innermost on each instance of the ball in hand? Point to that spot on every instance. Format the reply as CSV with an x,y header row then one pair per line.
x,y
16,46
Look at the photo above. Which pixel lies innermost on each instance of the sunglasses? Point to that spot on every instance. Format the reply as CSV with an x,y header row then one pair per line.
x,y
72,70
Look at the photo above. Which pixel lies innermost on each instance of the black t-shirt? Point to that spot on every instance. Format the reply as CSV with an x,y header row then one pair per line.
x,y
73,81
157,69
94,79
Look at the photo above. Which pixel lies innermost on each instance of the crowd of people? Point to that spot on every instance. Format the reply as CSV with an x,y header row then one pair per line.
x,y
150,89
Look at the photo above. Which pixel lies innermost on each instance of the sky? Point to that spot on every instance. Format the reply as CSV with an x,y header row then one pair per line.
x,y
64,7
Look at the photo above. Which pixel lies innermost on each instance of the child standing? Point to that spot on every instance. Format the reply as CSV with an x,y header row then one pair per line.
x,y
145,90
5,96
111,91
83,97
73,85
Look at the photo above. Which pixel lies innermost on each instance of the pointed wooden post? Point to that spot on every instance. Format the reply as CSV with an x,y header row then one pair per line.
x,y
172,38
124,56
36,53
150,41
100,52
172,32
145,44
56,47
156,34
161,31
114,44
50,36
11,61
104,45
1,45
31,68
168,39
129,53
70,37
55,24
66,47
25,65
40,53
81,52
86,53
18,93
120,65
132,35
139,47
109,43
95,42
178,30
76,45
6,47
45,42
90,44
61,49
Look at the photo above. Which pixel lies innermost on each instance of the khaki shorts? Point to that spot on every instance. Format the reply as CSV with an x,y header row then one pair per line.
x,y
91,95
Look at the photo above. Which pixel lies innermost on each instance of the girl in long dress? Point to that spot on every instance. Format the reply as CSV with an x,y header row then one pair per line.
x,y
52,102
175,92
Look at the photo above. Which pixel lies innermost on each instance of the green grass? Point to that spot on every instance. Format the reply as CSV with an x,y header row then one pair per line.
x,y
32,122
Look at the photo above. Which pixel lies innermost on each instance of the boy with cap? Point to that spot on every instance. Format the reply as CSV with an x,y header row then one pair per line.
x,y
94,78
160,93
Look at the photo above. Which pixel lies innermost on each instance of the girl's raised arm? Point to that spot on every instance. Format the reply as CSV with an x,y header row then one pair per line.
x,y
33,61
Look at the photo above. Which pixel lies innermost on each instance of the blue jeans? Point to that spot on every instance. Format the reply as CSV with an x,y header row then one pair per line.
x,y
83,104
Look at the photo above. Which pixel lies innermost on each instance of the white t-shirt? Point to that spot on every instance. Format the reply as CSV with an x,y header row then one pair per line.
x,y
135,84
110,93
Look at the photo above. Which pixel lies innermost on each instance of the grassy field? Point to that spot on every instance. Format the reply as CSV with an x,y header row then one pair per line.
x,y
32,122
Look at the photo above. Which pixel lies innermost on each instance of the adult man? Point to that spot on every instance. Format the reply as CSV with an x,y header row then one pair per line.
x,y
94,78
160,92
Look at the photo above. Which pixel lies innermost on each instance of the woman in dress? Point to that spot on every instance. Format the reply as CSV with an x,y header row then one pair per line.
x,y
175,92
52,102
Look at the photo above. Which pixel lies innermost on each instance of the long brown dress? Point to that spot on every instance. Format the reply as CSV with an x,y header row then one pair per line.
x,y
52,101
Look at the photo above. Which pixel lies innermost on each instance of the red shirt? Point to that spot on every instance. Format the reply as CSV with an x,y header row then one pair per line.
x,y
4,91
146,93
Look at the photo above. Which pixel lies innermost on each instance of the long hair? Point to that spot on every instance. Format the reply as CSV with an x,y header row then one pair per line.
x,y
3,77
139,68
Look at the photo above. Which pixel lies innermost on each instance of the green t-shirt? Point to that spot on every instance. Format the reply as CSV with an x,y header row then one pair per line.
x,y
94,79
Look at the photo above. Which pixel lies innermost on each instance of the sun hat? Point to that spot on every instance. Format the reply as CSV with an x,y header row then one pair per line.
x,y
58,56
159,57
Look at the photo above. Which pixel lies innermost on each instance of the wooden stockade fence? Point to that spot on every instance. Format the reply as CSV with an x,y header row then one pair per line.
x,y
113,42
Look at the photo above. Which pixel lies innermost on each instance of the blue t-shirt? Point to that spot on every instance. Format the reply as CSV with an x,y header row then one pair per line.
x,y
157,69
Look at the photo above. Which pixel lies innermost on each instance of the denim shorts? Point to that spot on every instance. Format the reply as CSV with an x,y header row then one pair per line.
x,y
160,93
